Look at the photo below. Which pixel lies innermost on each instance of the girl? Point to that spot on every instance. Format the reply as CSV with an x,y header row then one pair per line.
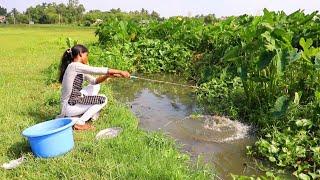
x,y
75,100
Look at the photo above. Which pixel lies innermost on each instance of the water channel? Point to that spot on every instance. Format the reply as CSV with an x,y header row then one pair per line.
x,y
174,111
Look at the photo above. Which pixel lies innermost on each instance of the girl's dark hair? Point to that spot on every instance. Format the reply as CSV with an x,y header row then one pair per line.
x,y
68,57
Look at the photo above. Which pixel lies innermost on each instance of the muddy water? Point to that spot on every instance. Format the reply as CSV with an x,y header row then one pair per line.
x,y
167,108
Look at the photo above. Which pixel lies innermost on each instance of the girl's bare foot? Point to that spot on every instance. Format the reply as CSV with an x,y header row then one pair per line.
x,y
84,127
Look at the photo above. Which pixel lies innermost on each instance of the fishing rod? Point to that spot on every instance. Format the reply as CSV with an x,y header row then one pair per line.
x,y
165,82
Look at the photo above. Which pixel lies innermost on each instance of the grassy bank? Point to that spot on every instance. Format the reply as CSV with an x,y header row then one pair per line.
x,y
26,99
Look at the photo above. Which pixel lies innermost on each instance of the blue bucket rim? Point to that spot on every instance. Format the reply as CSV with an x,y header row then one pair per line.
x,y
73,121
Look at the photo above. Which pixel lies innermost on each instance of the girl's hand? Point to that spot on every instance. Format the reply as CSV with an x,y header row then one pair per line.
x,y
125,74
118,73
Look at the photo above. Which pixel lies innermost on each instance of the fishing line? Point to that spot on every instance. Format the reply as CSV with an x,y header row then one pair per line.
x,y
165,82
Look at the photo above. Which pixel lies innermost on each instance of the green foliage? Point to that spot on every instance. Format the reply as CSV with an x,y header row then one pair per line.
x,y
128,43
70,42
296,147
3,11
117,56
158,56
118,32
223,95
52,73
262,69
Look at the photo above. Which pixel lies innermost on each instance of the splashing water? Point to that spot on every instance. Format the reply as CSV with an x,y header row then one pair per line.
x,y
214,128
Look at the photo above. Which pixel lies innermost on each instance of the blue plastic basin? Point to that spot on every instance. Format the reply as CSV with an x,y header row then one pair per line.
x,y
51,138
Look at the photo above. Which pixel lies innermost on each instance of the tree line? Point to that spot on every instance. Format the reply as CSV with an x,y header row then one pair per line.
x,y
74,13
71,13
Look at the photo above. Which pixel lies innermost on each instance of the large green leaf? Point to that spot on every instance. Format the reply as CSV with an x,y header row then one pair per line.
x,y
308,17
270,42
305,44
280,62
280,106
264,59
283,35
232,53
267,15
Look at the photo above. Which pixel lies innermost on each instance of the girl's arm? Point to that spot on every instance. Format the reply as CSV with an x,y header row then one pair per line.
x,y
100,79
112,73
86,69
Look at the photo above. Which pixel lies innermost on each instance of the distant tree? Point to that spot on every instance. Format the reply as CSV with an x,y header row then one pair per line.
x,y
3,11
144,11
115,11
22,18
93,15
34,14
74,12
210,18
61,10
155,15
15,12
79,12
51,13
73,3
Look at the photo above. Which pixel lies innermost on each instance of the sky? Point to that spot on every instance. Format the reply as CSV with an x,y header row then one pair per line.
x,y
168,8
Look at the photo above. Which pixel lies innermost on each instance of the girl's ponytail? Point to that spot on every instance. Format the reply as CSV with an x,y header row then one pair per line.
x,y
68,57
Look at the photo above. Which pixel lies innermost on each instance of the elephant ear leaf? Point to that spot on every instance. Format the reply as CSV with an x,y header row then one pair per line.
x,y
264,59
232,54
280,106
305,44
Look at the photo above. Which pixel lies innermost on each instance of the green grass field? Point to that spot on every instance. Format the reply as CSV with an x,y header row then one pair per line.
x,y
26,99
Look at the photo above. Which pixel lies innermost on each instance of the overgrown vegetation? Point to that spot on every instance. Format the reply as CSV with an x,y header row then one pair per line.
x,y
263,70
